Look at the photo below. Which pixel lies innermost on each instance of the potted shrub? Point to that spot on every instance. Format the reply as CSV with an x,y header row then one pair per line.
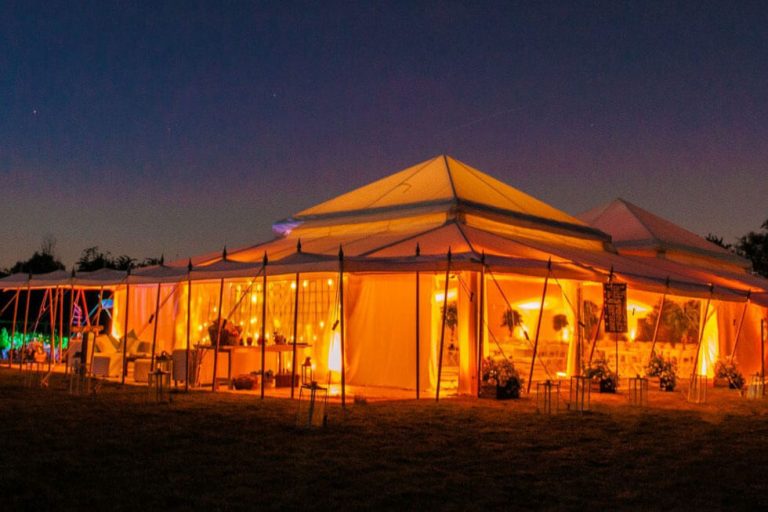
x,y
664,369
504,376
600,372
728,375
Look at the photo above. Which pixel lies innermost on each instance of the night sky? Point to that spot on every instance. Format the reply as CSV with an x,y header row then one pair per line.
x,y
180,127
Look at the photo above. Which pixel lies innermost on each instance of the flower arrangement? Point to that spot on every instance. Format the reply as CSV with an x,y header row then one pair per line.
x,y
504,375
600,371
726,369
664,369
230,333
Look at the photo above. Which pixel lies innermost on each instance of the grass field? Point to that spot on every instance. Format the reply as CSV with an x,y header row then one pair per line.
x,y
115,451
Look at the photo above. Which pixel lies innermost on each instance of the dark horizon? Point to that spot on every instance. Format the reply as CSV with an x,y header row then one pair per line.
x,y
180,128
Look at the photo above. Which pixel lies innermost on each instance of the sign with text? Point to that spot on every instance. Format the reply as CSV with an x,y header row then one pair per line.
x,y
615,303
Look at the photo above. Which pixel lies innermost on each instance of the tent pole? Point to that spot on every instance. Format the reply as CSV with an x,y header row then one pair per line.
x,y
52,318
189,320
81,298
701,334
263,337
658,317
341,319
215,384
61,321
762,353
13,327
418,327
26,319
599,322
295,333
154,329
538,325
442,328
418,338
741,322
125,328
72,301
481,324
97,322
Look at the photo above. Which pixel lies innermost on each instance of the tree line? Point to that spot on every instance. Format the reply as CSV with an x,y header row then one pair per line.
x,y
752,246
45,260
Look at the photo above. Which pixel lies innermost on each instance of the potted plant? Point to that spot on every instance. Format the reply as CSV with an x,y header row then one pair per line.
x,y
726,374
451,321
664,369
504,376
600,372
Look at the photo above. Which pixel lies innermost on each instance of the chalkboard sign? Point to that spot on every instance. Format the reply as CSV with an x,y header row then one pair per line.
x,y
615,301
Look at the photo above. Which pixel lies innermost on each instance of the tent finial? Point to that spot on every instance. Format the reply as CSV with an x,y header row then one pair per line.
x,y
341,253
189,265
418,249
162,260
482,257
265,260
449,253
298,246
224,253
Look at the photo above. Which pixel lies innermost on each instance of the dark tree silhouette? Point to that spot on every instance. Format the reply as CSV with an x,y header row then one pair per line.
x,y
42,261
754,247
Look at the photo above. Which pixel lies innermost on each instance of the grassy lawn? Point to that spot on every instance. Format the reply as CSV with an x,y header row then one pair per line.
x,y
115,451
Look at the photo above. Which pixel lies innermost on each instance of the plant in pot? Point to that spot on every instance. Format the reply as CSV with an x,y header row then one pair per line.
x,y
451,321
664,369
600,372
727,372
502,374
511,319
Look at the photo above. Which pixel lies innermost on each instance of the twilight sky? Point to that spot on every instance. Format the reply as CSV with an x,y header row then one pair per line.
x,y
180,127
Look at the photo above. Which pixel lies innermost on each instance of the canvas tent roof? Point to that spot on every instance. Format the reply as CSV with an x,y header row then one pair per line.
x,y
633,228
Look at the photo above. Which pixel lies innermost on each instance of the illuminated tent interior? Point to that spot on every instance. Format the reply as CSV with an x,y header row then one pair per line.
x,y
522,277
643,237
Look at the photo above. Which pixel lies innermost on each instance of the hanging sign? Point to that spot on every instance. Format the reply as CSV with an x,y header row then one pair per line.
x,y
615,303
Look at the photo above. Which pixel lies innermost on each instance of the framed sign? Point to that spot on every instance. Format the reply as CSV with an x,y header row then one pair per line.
x,y
615,303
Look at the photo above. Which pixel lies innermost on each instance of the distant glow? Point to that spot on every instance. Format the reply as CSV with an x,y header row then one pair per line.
x,y
253,319
632,334
532,305
330,282
565,333
561,375
439,296
293,285
254,299
322,324
305,283
334,354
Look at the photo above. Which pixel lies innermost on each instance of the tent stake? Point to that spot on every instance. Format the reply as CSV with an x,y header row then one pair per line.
x,y
442,328
538,325
26,319
125,328
341,319
295,333
263,338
